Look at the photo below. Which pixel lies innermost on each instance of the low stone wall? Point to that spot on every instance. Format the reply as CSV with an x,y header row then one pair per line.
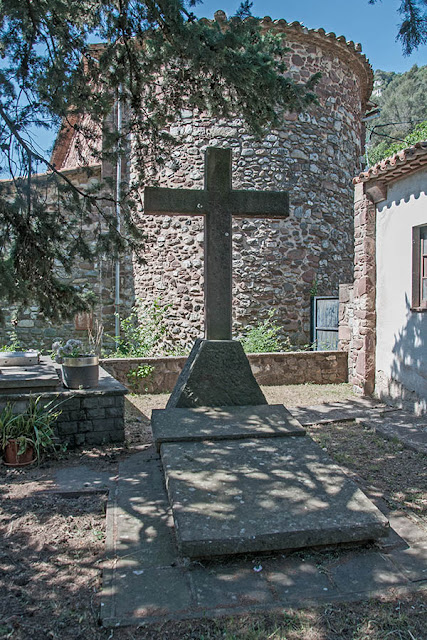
x,y
300,367
296,367
88,416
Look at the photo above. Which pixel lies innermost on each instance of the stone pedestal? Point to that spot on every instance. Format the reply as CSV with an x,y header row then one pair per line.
x,y
216,374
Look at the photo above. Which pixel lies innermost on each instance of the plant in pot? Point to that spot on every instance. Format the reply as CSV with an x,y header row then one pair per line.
x,y
25,436
80,370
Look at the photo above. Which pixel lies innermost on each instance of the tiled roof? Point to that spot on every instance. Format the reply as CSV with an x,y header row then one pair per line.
x,y
403,162
350,50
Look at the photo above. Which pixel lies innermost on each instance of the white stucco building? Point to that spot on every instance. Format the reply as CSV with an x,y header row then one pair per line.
x,y
386,318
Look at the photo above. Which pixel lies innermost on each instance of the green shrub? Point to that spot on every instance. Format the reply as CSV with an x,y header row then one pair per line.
x,y
266,337
141,331
263,338
138,373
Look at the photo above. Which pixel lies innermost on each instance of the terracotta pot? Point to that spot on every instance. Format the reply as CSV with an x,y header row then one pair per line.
x,y
81,372
13,459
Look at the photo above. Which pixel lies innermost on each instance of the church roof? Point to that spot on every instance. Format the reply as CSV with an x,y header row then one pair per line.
x,y
403,162
70,150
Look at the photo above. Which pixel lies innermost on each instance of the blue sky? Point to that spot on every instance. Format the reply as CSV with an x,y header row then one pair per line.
x,y
374,26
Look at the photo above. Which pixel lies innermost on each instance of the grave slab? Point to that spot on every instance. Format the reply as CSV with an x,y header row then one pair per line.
x,y
225,423
232,497
29,379
217,374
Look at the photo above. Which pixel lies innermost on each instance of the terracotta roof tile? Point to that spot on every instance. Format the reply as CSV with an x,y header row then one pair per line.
x,y
405,161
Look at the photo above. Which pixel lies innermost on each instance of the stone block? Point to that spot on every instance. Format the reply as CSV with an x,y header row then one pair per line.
x,y
113,412
95,413
84,426
217,373
67,428
232,497
226,423
103,424
97,437
92,402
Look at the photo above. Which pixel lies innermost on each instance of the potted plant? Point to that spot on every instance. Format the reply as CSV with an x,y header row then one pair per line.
x,y
25,436
80,370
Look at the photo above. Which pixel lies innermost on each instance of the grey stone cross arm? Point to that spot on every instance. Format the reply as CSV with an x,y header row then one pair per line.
x,y
218,203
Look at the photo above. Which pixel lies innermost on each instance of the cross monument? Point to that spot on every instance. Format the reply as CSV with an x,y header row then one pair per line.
x,y
218,202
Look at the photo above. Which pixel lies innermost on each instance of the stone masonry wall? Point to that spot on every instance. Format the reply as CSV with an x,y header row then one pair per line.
x,y
35,331
276,264
316,367
361,360
88,416
346,316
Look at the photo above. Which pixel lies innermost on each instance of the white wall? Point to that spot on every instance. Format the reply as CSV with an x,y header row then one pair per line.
x,y
401,351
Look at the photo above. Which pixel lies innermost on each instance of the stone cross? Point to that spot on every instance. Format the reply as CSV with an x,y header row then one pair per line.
x,y
218,203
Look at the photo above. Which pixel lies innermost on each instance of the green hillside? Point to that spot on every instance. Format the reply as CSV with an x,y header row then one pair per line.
x,y
402,98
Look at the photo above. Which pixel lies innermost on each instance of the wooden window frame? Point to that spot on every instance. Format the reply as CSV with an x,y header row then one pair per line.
x,y
417,303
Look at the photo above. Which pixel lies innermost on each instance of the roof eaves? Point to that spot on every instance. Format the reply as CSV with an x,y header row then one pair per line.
x,y
401,163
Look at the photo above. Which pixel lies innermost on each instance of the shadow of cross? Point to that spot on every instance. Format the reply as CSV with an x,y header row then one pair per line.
x,y
218,203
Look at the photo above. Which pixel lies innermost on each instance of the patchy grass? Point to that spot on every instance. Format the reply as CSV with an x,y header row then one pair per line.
x,y
291,395
294,395
394,618
385,468
52,547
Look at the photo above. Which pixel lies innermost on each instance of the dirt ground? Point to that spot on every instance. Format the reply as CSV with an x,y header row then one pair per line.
x,y
291,395
51,549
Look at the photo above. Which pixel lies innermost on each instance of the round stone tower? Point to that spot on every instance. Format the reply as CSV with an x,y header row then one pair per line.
x,y
277,264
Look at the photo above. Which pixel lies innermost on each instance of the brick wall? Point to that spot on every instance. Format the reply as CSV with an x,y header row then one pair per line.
x,y
88,416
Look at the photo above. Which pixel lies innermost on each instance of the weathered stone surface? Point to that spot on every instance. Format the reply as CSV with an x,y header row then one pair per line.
x,y
292,367
216,374
85,413
255,495
313,156
32,379
226,423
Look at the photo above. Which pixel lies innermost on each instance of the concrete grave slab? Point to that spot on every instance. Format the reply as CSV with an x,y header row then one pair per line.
x,y
145,580
36,378
217,374
224,423
232,497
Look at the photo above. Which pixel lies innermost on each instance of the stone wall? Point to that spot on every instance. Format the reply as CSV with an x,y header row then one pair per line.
x,y
345,316
301,367
357,317
277,264
88,416
34,331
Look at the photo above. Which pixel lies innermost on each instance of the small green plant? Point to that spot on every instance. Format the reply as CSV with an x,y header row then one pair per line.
x,y
139,373
314,289
33,427
14,344
263,338
141,331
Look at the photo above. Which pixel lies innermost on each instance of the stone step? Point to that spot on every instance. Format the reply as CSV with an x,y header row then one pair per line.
x,y
224,423
253,495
